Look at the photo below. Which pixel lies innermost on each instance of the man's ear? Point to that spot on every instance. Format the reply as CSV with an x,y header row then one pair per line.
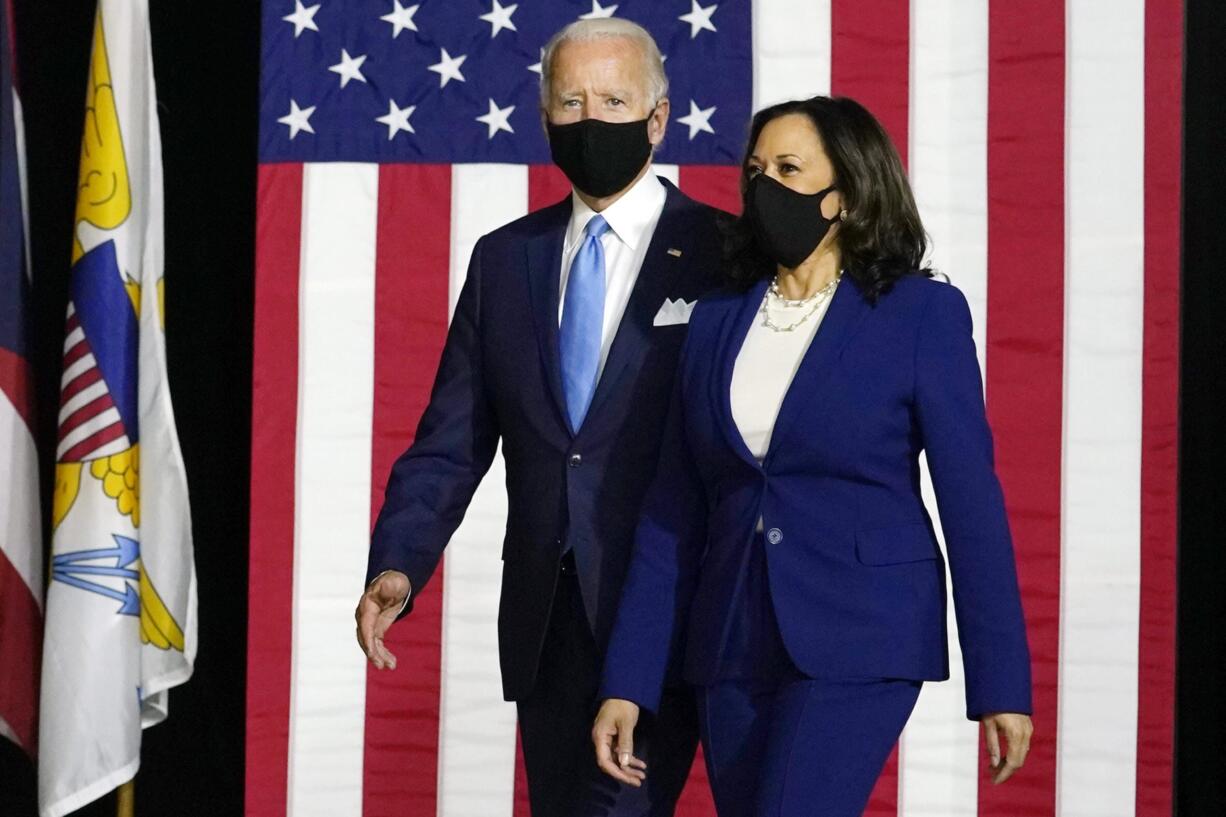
x,y
658,122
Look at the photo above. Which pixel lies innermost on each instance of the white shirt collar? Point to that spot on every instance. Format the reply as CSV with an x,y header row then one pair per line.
x,y
629,217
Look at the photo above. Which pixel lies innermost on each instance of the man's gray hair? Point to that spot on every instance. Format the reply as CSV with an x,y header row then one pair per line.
x,y
607,28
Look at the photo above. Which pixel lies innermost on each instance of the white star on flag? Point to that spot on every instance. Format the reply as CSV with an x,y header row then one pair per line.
x,y
698,121
349,68
298,119
499,17
396,119
302,18
536,66
497,118
400,18
598,12
699,18
448,68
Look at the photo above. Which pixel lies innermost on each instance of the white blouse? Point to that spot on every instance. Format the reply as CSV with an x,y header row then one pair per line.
x,y
765,366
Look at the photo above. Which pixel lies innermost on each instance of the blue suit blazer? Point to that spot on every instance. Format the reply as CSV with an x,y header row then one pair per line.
x,y
854,568
499,379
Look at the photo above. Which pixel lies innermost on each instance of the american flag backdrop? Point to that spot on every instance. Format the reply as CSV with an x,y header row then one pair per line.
x,y
1043,142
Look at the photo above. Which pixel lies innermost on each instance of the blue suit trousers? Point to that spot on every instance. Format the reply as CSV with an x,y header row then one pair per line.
x,y
778,743
799,747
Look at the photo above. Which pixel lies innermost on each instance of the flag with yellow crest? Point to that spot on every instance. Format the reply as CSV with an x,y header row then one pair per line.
x,y
121,603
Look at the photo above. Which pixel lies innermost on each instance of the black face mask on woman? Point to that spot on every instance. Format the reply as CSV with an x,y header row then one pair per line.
x,y
600,158
787,224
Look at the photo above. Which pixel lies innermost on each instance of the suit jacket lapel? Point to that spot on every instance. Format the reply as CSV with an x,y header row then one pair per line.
x,y
847,309
736,328
544,269
653,285
842,318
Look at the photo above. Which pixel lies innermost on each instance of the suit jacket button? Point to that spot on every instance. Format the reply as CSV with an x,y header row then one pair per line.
x,y
774,536
575,460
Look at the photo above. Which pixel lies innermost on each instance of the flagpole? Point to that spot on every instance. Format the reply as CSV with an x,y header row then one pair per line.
x,y
125,802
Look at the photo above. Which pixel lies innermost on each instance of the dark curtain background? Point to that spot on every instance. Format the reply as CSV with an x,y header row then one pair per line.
x,y
206,61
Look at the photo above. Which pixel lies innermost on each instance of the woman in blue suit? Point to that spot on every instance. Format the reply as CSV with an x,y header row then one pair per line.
x,y
785,563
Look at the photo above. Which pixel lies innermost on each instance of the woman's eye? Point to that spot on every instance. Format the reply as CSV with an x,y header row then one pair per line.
x,y
787,169
752,171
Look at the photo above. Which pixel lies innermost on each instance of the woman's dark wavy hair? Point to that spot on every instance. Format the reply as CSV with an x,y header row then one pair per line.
x,y
882,238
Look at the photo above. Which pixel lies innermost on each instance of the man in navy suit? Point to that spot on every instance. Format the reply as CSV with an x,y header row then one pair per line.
x,y
564,346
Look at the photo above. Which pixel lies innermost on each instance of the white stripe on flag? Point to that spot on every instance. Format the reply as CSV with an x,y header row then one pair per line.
x,y
73,338
1104,301
7,732
948,160
670,172
107,418
332,525
81,398
19,528
78,367
791,50
476,726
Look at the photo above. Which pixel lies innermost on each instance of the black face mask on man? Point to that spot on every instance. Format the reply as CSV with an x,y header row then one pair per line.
x,y
788,225
600,158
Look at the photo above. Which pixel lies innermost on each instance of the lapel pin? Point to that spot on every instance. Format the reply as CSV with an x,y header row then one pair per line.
x,y
674,252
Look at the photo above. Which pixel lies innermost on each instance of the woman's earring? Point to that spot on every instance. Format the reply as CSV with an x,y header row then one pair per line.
x,y
842,215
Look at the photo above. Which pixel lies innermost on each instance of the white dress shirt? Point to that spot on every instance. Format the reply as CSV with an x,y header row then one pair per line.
x,y
632,220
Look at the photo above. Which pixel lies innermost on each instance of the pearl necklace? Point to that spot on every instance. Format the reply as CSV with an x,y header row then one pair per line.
x,y
816,299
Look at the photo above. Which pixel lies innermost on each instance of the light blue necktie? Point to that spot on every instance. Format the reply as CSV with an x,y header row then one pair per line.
x,y
582,318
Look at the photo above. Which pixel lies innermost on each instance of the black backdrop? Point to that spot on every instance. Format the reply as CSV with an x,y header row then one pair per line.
x,y
206,59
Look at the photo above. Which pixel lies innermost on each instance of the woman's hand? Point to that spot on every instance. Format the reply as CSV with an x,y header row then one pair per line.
x,y
1017,730
613,736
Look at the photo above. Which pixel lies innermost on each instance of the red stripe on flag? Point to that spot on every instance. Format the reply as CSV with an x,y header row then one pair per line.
x,y
1160,406
15,384
1025,349
21,629
274,432
716,185
75,352
84,414
412,271
546,185
696,800
79,384
93,442
883,801
521,807
73,324
870,60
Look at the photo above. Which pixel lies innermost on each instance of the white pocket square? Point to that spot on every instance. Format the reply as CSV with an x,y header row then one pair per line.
x,y
674,312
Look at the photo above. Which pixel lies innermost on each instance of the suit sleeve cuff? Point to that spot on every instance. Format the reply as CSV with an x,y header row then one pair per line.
x,y
635,693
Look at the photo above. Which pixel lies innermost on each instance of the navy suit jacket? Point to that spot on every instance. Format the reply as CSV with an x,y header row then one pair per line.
x,y
499,378
855,571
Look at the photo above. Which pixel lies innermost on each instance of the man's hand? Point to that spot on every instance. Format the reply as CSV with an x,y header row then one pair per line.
x,y
1017,730
377,609
613,734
